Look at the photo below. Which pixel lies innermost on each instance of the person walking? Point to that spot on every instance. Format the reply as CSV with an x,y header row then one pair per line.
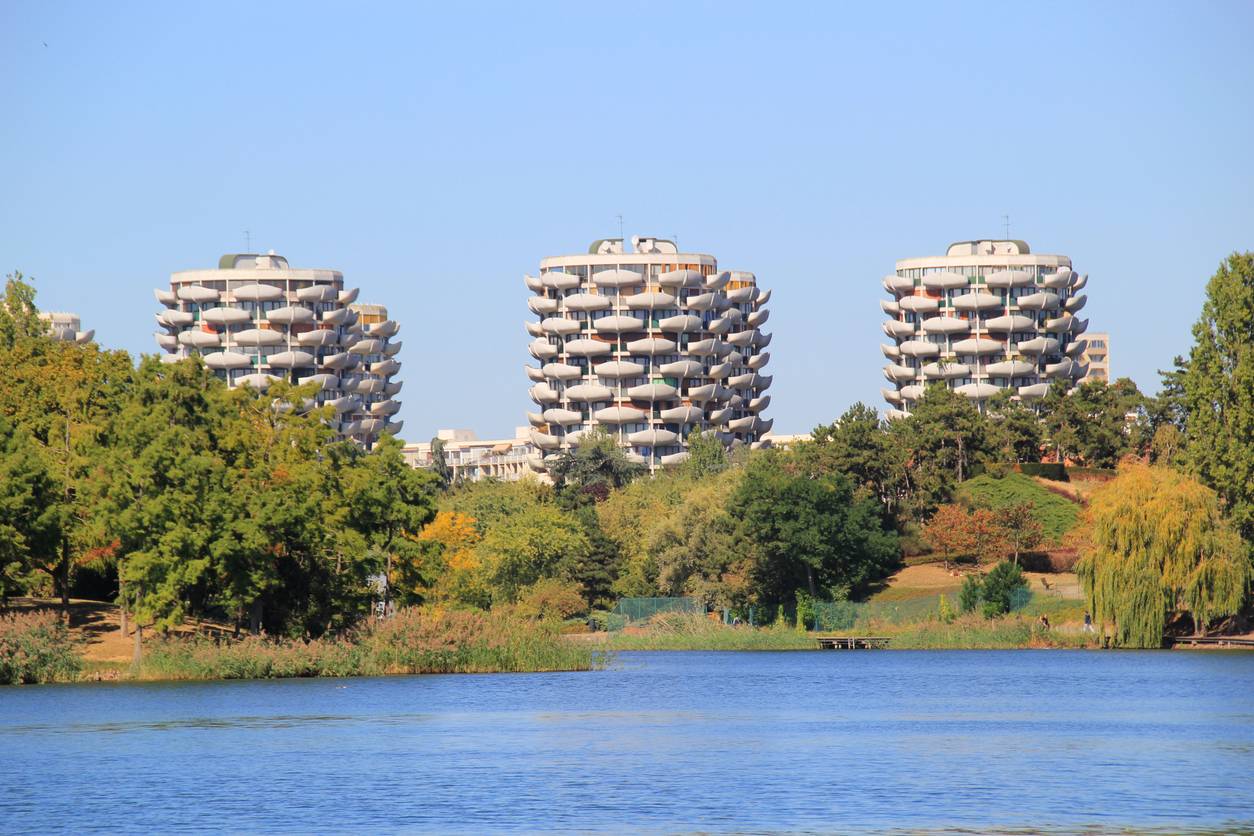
x,y
1088,623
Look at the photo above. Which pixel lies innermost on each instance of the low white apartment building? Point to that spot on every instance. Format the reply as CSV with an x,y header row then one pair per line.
x,y
471,458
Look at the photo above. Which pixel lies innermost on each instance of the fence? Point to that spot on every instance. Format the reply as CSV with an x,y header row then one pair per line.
x,y
629,610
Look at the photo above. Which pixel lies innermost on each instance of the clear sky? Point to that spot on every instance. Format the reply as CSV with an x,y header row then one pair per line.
x,y
434,153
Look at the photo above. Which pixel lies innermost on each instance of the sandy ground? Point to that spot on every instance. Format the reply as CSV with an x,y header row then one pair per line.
x,y
932,578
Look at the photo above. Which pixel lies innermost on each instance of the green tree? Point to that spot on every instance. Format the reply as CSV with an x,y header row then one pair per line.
x,y
706,455
19,318
30,519
942,437
859,445
1014,429
1090,422
521,550
1217,390
1021,530
1000,587
439,465
1159,545
594,468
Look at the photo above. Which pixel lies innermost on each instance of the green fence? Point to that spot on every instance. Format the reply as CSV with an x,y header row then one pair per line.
x,y
629,610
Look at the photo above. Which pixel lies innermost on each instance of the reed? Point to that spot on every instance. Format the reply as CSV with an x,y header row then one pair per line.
x,y
36,647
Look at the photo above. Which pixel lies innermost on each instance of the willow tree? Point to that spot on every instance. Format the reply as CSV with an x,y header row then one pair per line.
x,y
1158,546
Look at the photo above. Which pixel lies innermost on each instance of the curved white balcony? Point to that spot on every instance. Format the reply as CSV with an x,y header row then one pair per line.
x,y
1038,345
1058,279
683,415
536,419
1009,278
1042,300
758,360
561,371
175,319
652,345
943,325
672,459
290,315
620,415
709,348
587,302
681,324
350,319
557,325
978,345
1079,370
543,440
533,283
392,349
1078,284
348,297
947,371
944,280
370,426
199,339
319,338
650,301
542,349
1079,326
892,396
290,360
393,427
363,347
345,403
977,391
763,298
386,328
1010,368
892,352
681,368
750,380
259,381
385,368
759,403
617,278
898,373
898,284
896,329
745,424
912,392
1075,303
681,278
587,348
734,316
533,374
618,368
536,463
393,387
741,339
1059,323
920,348
533,329
918,304
741,295
197,293
368,386
384,409
704,301
340,361
542,305
653,392
708,392
543,393
720,370
760,340
350,428
1062,368
324,380
167,341
890,307
316,293
1010,322
653,437
335,317
227,360
976,300
257,336
166,297
559,280
617,324
758,317
720,416
714,281
588,392
562,417
1034,390
1074,349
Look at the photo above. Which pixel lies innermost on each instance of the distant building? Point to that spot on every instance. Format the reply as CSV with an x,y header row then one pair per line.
x,y
66,326
1096,355
985,317
472,459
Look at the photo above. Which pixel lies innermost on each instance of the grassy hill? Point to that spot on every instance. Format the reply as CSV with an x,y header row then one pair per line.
x,y
1055,513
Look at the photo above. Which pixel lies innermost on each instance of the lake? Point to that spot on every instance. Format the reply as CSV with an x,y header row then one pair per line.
x,y
821,741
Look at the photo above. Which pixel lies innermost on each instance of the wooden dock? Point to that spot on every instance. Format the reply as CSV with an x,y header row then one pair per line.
x,y
1208,641
852,642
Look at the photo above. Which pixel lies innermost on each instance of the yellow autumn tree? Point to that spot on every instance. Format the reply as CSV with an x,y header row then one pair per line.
x,y
1157,544
452,572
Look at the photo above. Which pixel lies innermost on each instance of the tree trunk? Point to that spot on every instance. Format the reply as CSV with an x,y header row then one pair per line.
x,y
810,581
138,658
254,617
63,579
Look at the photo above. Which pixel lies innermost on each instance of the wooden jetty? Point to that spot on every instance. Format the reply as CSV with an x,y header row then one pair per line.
x,y
1208,641
852,642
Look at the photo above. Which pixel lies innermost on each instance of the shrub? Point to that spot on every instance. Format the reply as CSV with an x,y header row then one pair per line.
x,y
945,612
969,595
1056,514
1002,589
1053,471
36,647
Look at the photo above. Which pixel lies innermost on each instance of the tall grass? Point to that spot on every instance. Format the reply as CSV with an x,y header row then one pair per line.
x,y
415,640
685,631
36,647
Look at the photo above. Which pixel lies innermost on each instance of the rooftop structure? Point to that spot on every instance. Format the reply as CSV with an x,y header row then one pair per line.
x,y
472,459
66,326
1096,356
255,319
649,346
985,317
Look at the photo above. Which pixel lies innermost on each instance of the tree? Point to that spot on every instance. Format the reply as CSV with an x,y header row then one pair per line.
x,y
808,533
30,519
1217,391
859,445
1000,587
524,549
949,532
706,455
941,438
1090,422
1014,429
1019,527
439,465
450,569
597,466
1159,545
19,318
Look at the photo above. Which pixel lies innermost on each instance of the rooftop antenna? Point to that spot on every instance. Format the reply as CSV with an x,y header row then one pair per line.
x,y
1006,220
248,240
620,228
675,235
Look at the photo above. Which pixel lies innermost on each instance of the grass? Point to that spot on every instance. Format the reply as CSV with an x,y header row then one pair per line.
x,y
1056,514
684,631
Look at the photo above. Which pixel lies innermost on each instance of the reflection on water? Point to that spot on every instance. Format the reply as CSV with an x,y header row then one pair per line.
x,y
835,741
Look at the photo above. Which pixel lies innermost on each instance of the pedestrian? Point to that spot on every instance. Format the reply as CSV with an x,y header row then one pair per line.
x,y
1044,622
1088,623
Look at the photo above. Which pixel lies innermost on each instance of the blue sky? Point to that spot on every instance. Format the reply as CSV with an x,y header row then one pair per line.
x,y
436,153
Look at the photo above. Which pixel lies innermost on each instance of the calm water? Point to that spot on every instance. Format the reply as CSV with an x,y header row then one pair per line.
x,y
835,741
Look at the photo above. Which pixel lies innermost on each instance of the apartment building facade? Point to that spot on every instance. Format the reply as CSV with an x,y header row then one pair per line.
x,y
472,459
